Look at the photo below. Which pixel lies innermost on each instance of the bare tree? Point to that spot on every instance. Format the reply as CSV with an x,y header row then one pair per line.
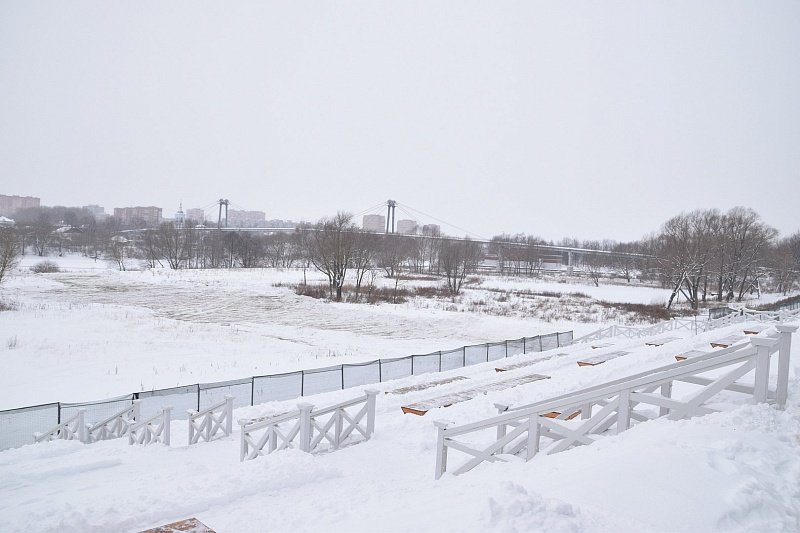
x,y
458,258
9,252
365,249
330,245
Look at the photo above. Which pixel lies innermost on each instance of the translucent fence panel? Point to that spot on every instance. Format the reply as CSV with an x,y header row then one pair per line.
x,y
533,344
452,359
97,411
475,354
497,350
213,393
322,380
515,347
549,342
277,388
395,368
179,398
564,339
363,374
423,364
17,426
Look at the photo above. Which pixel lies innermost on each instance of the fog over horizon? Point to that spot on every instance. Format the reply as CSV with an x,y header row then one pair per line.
x,y
558,120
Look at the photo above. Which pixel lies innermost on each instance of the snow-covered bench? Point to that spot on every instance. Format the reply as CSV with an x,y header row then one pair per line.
x,y
730,340
602,358
661,342
420,408
426,385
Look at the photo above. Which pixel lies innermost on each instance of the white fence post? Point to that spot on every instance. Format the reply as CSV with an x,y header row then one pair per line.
x,y
624,411
137,410
762,368
371,395
228,415
167,416
305,426
784,353
666,392
81,428
441,449
533,437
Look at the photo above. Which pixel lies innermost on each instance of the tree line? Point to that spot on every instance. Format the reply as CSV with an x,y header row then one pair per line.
x,y
703,255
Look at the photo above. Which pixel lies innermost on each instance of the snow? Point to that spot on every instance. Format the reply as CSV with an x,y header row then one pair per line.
x,y
87,334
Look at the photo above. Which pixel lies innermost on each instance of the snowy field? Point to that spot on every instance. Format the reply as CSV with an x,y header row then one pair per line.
x,y
91,332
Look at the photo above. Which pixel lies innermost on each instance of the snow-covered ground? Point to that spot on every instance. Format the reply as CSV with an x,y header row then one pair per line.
x,y
89,333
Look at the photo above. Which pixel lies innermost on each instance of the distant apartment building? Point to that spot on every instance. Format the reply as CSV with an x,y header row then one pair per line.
x,y
406,226
196,215
246,219
150,215
375,223
11,204
97,211
431,230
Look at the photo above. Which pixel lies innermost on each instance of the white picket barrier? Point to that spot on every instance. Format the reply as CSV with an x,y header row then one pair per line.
x,y
154,429
216,421
74,428
308,430
694,325
116,425
520,431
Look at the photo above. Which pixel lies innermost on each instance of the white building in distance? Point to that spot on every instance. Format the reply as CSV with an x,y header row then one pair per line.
x,y
376,223
406,226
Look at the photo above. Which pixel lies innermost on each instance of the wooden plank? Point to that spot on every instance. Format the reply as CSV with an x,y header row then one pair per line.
x,y
726,341
755,330
426,385
190,525
661,342
420,408
556,414
599,359
602,345
688,355
515,366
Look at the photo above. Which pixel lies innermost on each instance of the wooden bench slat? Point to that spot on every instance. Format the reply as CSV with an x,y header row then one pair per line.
x,y
599,359
661,342
426,385
420,408
726,341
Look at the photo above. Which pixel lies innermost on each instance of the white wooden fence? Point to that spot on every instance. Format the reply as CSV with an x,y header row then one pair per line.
x,y
116,425
310,430
695,325
208,424
154,429
73,428
526,430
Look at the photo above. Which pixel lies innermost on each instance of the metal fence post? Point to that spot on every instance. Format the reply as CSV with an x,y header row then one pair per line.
x,y
463,356
505,342
198,397
252,390
524,345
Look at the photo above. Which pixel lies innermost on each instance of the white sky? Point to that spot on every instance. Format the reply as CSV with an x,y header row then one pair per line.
x,y
595,120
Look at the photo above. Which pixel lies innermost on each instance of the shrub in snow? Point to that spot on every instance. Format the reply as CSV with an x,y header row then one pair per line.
x,y
45,267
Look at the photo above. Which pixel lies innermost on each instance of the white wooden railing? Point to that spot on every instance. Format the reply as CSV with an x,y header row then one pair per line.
x,y
310,430
154,429
527,430
695,325
208,424
116,425
73,428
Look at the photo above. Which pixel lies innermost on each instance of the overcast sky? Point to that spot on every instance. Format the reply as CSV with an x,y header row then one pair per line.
x,y
593,120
